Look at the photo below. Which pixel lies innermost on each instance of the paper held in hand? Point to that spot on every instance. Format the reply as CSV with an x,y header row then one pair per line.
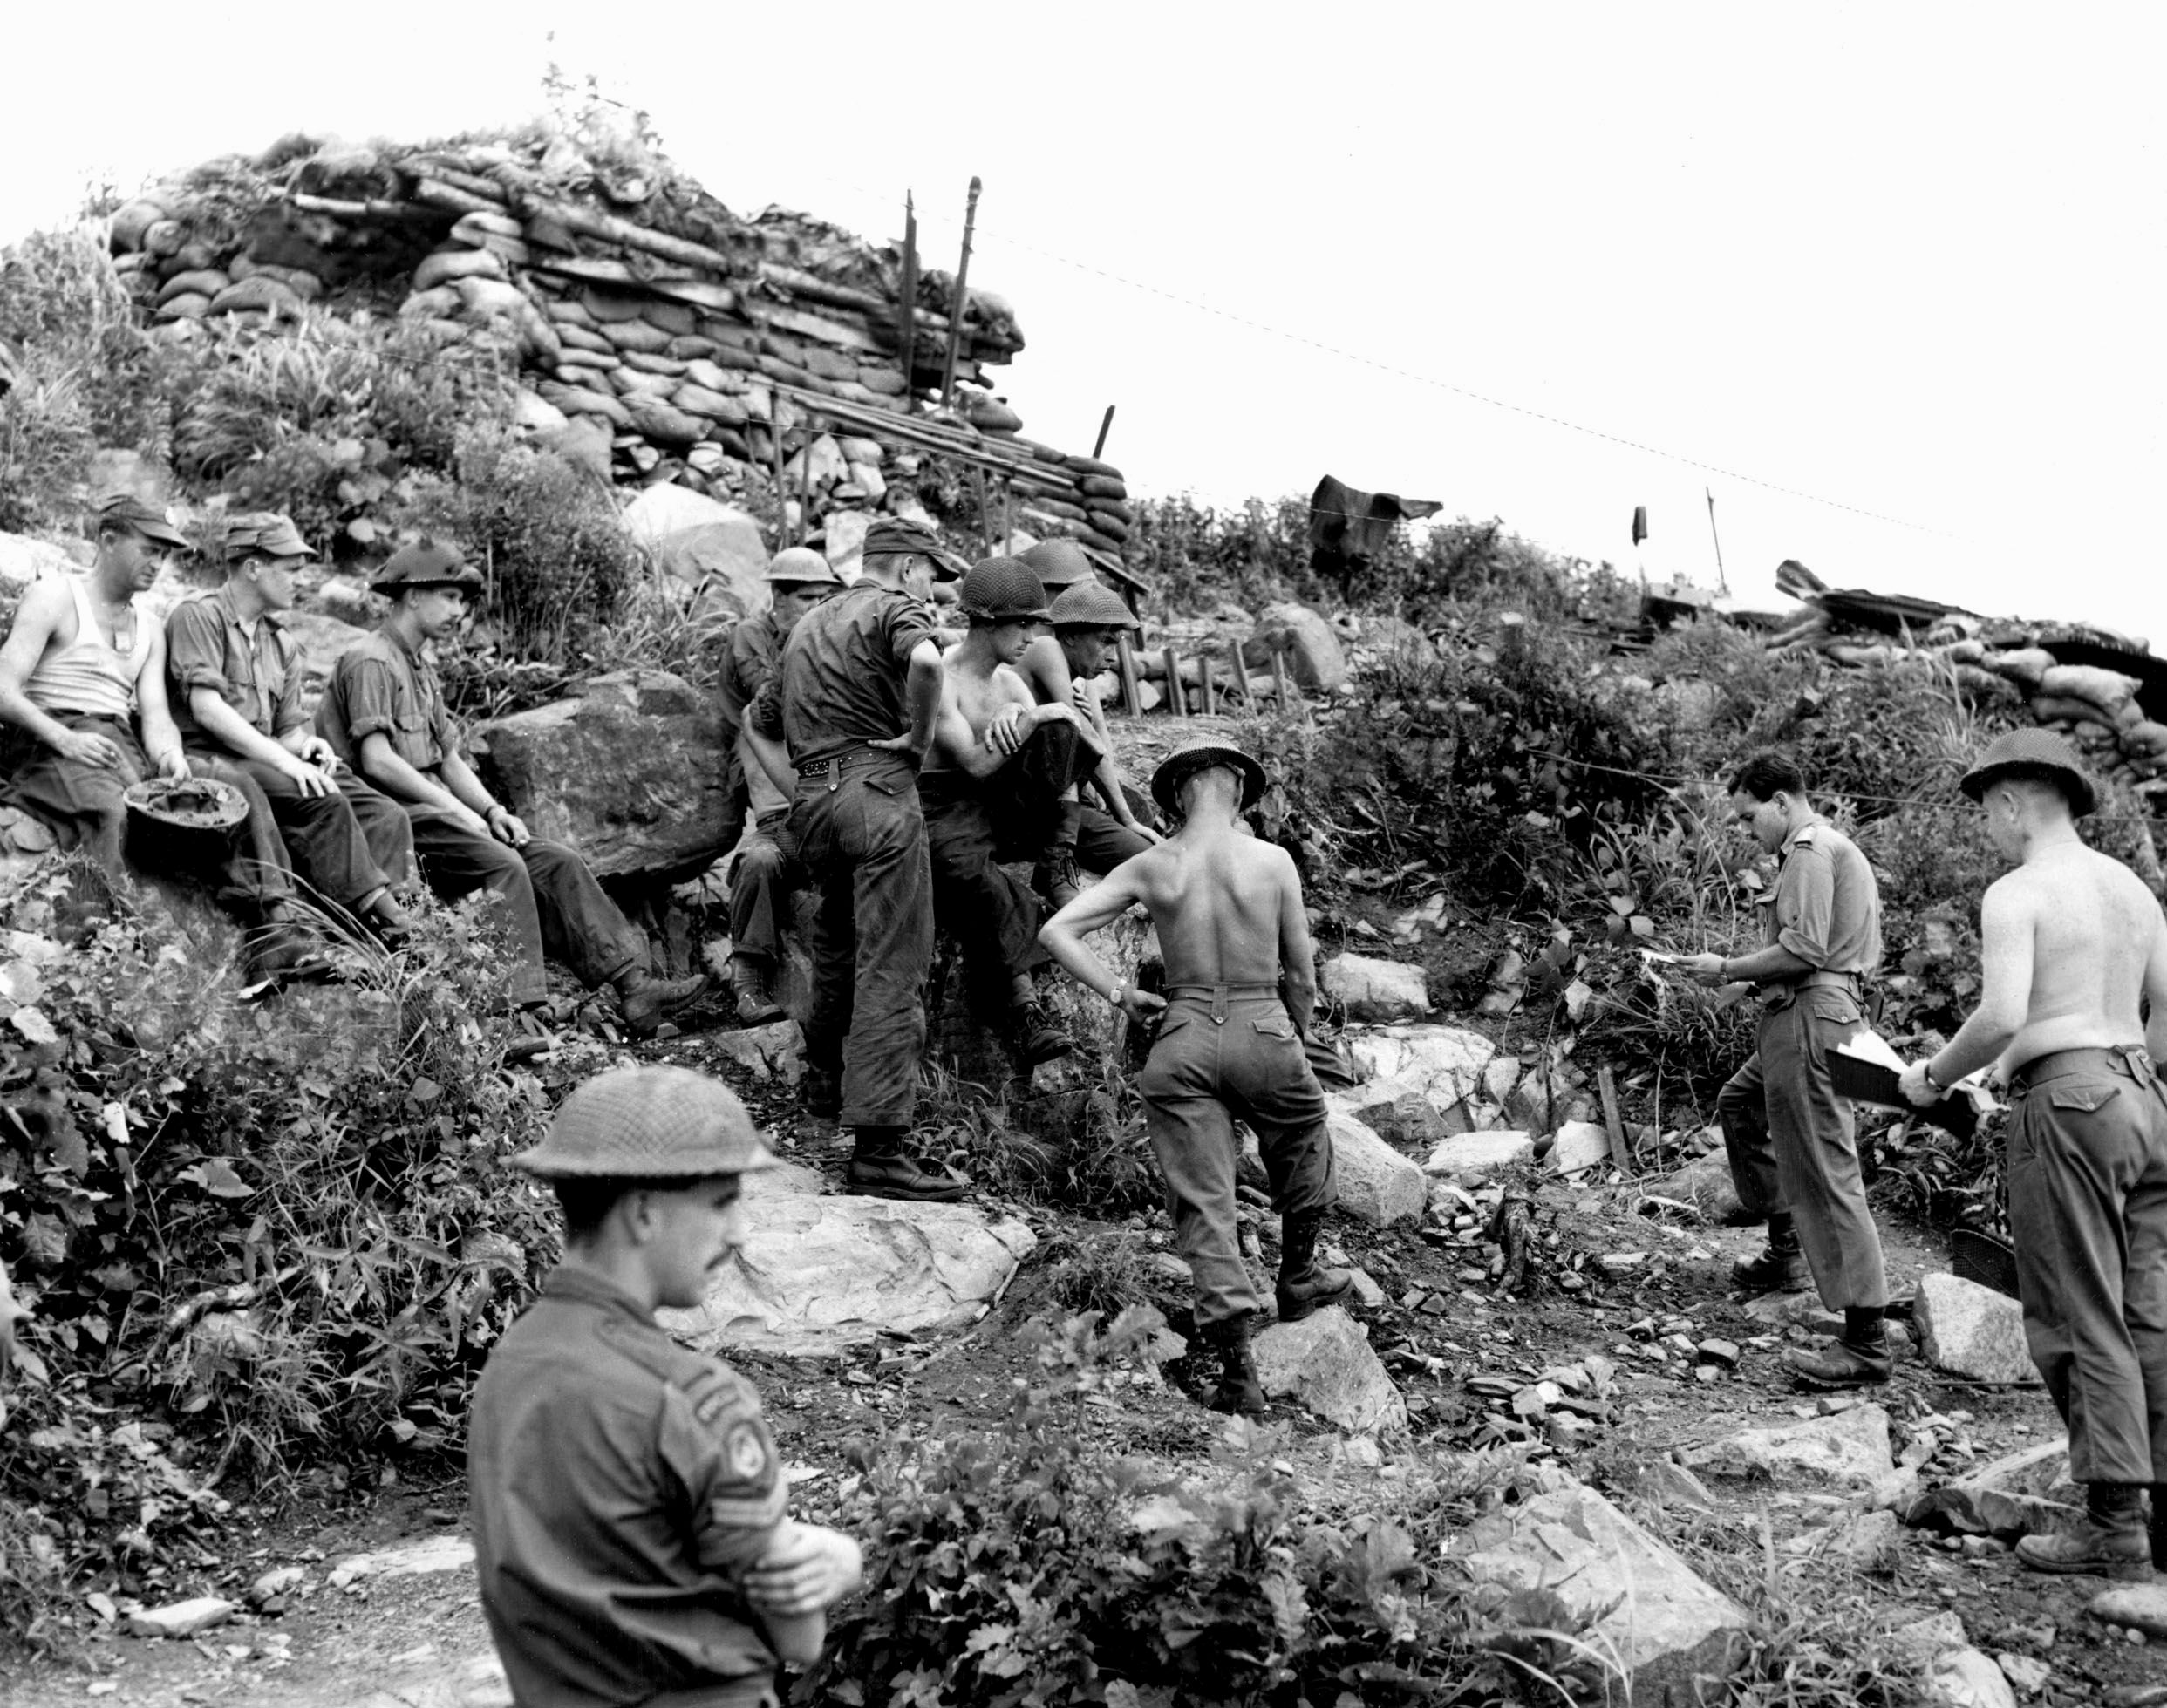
x,y
1864,1068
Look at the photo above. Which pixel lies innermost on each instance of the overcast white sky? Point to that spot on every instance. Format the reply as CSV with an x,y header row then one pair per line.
x,y
1909,259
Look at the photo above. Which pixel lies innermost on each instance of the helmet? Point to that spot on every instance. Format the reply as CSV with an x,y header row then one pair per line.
x,y
1004,589
424,564
1093,605
1059,563
800,566
649,1123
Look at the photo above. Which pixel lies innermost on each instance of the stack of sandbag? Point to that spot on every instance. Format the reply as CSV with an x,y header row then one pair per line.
x,y
2096,708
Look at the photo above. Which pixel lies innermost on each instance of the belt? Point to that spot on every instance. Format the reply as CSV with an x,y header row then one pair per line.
x,y
2057,1062
833,766
1819,980
1271,989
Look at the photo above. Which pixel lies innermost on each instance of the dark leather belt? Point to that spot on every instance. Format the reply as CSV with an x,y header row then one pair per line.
x,y
834,765
2055,1063
1220,991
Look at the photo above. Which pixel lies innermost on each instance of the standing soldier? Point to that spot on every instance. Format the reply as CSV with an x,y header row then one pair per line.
x,y
383,713
631,1512
846,718
235,680
766,869
1240,983
2072,947
1793,1143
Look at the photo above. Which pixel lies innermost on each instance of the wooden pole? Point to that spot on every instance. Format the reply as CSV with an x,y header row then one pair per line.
x,y
804,491
1205,703
1176,701
1722,582
1124,658
782,492
909,330
1238,671
1619,1154
1279,676
963,285
1105,422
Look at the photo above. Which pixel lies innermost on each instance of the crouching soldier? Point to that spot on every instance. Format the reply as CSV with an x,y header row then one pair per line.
x,y
631,1512
1240,983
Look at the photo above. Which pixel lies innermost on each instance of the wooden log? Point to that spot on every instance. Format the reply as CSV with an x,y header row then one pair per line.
x,y
906,326
438,193
1279,676
1177,696
1620,1152
1125,661
1206,704
1238,672
374,209
801,283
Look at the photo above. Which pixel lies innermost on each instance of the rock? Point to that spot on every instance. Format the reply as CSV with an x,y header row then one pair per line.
x,y
584,444
2135,1606
1476,1156
182,1618
1376,1183
1666,1626
1375,989
1531,1105
1412,1120
1442,1062
1920,1641
1973,1332
1580,1145
439,1553
725,561
536,414
764,1051
1326,1363
24,559
663,510
1705,1184
1866,1542
1368,1293
1848,1450
842,542
2024,1493
817,1273
2028,1674
322,638
1966,1678
1311,643
631,774
275,1582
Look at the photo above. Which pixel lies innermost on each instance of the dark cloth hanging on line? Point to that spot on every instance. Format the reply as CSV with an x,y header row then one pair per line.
x,y
1348,527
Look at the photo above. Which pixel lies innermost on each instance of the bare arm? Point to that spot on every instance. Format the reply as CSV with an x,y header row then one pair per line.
x,y
383,768
2155,996
1773,962
36,621
162,738
211,712
773,759
1096,908
922,699
1297,954
2005,957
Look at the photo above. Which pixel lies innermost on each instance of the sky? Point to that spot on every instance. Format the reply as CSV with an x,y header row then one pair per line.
x,y
1887,282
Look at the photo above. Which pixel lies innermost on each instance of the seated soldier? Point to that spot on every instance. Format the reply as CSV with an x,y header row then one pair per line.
x,y
383,713
767,868
1088,617
236,682
82,670
991,789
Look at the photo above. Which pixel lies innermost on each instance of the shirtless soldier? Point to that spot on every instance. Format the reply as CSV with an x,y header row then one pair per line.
x,y
2069,943
992,789
1240,985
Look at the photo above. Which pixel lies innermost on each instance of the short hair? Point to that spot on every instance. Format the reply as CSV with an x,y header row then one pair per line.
x,y
587,1200
881,559
1767,774
2050,778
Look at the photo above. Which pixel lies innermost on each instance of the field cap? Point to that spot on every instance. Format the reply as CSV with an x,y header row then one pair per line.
x,y
1185,762
125,510
1004,589
1092,605
800,566
894,533
2033,749
1059,563
651,1124
262,534
424,564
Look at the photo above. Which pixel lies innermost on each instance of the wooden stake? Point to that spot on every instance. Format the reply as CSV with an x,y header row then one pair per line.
x,y
804,491
1205,703
955,316
909,331
1240,671
1176,700
782,492
1620,1152
1279,676
1125,659
1105,422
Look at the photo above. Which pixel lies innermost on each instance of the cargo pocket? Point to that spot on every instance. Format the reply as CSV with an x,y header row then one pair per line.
x,y
1281,1026
2085,1100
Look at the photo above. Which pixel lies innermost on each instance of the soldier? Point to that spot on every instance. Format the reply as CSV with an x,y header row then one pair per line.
x,y
1793,1143
383,714
992,789
2071,946
236,681
766,869
845,720
629,1509
1240,983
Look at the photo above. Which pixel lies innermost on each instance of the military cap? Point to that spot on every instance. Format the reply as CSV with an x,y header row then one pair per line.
x,y
424,564
127,510
894,533
1059,563
651,1124
2032,750
1185,762
262,534
800,566
1003,588
1092,605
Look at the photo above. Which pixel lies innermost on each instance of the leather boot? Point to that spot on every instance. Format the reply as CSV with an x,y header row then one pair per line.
x,y
1860,1359
819,1094
647,999
1038,1038
1238,1390
1303,1286
1055,877
387,920
281,952
882,1167
1781,1268
750,978
2109,1541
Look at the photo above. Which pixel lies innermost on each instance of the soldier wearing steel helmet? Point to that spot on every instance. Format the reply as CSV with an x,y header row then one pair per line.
x,y
766,869
629,1509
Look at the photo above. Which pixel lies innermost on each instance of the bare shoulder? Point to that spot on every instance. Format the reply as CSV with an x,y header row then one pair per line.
x,y
1010,686
2013,898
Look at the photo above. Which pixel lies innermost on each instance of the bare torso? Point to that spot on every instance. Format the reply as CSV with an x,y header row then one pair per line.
x,y
1220,900
2094,928
979,696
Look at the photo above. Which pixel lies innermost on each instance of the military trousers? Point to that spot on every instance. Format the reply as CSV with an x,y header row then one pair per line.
x,y
1100,842
862,838
555,907
766,873
1223,1053
2087,1206
1794,1145
345,846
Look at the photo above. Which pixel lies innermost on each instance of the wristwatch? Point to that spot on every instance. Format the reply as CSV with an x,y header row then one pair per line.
x,y
1926,1073
1117,993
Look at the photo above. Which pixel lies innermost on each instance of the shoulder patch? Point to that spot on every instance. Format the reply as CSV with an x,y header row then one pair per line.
x,y
1804,839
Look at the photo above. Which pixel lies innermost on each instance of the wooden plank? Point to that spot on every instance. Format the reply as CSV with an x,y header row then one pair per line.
x,y
1620,1153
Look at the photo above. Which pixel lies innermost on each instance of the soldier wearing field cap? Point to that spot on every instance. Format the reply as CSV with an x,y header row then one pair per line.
x,y
235,685
992,788
766,869
2072,951
1241,983
844,723
629,1509
383,714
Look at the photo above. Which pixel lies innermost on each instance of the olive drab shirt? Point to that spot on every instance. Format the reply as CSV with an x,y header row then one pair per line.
x,y
621,1486
378,685
843,676
1826,907
258,675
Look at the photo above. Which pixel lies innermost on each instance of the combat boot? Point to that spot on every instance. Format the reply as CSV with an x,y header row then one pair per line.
x,y
647,999
280,951
1055,877
1781,1268
1038,1038
1238,1390
882,1167
749,978
1861,1358
1303,1286
2109,1543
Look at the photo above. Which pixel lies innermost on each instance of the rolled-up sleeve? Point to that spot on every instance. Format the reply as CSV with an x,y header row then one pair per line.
x,y
763,716
1805,902
372,699
908,624
195,650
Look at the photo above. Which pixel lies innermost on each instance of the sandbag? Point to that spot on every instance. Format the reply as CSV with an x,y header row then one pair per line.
x,y
881,382
587,360
1091,466
713,405
2047,707
2025,665
573,336
1101,485
1092,537
1108,527
2104,688
259,295
449,266
2145,737
648,363
188,305
568,312
829,365
581,400
665,425
207,281
689,347
674,318
303,283
636,336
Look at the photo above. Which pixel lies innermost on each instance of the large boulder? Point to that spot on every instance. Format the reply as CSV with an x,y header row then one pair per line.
x,y
1580,1145
2141,1607
1471,1158
817,1272
1848,1450
24,559
1442,1062
2028,1492
1311,643
1677,1638
631,774
1324,1364
1376,1183
724,560
322,639
1375,989
1973,1332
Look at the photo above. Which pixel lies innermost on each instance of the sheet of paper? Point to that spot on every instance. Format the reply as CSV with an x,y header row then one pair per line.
x,y
1869,1045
